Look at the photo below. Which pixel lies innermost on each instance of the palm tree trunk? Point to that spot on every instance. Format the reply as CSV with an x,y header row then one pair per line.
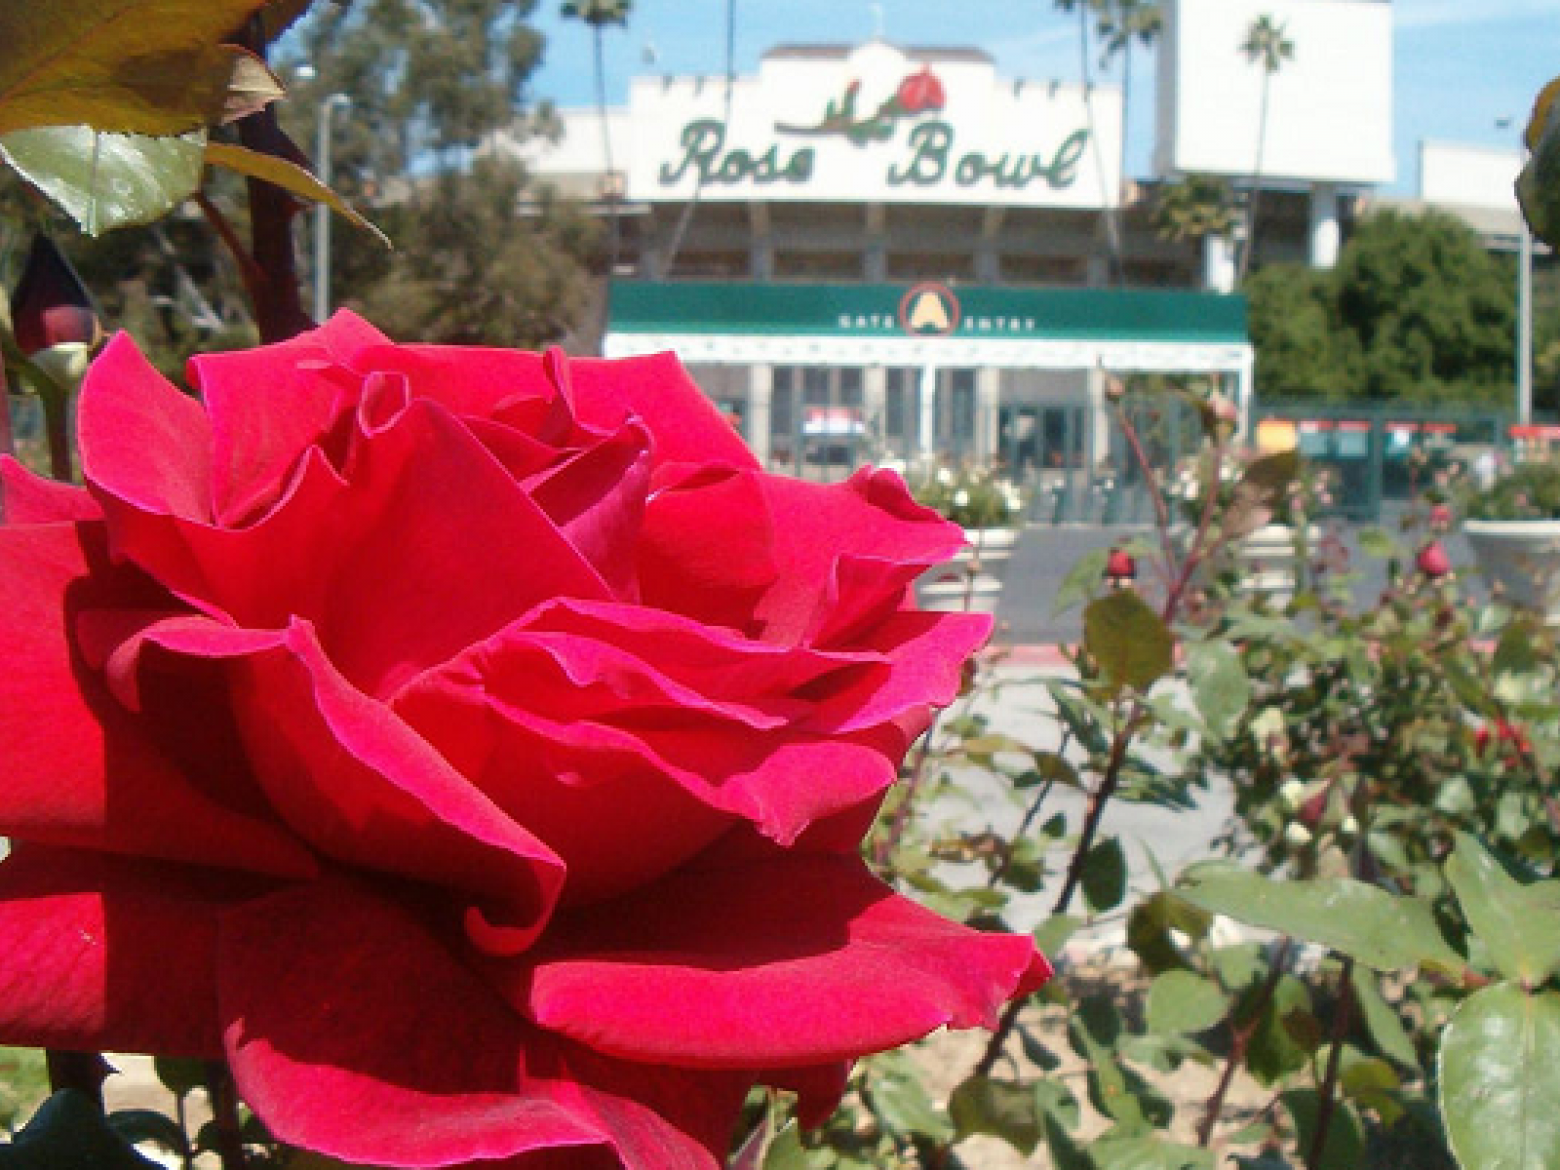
x,y
606,151
1112,219
1256,184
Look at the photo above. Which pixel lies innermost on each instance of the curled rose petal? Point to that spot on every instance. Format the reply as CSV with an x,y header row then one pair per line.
x,y
354,1031
802,961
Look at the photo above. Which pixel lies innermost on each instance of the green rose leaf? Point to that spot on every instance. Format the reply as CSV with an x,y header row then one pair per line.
x,y
1519,924
1500,1082
1180,1001
1379,929
1538,186
107,180
1344,1147
135,66
785,1152
1128,639
1145,1152
1381,1020
1105,876
69,1130
1219,684
288,176
998,1108
1082,580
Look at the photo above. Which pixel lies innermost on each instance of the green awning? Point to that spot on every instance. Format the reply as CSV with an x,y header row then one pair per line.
x,y
903,310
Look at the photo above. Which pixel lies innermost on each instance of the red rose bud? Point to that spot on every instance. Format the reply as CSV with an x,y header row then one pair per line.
x,y
1440,517
51,306
1120,568
1432,560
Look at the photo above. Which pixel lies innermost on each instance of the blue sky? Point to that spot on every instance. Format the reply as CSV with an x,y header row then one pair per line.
x,y
1461,65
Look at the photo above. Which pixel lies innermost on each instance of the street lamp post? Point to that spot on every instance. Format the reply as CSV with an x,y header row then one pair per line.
x,y
1525,327
321,211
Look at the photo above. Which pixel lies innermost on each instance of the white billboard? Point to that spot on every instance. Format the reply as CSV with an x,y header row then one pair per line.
x,y
875,124
1329,104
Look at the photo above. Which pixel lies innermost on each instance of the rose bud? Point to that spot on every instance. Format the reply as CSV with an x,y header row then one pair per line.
x,y
1440,518
1432,561
52,313
1120,568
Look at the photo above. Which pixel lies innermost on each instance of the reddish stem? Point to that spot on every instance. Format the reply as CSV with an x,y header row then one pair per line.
x,y
7,435
271,274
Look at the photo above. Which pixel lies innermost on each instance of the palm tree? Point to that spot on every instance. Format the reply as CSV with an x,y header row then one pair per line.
x,y
1266,44
1120,23
598,14
1085,59
1193,208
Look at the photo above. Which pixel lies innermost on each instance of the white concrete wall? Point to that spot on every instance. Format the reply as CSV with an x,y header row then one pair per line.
x,y
1330,105
1467,175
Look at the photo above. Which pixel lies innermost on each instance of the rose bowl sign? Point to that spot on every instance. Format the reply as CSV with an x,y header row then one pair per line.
x,y
874,125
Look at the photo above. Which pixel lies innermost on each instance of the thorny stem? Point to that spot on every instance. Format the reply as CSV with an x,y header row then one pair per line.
x,y
1151,478
1238,1044
249,271
1110,780
1028,819
56,425
883,849
1329,1089
7,437
272,275
224,1115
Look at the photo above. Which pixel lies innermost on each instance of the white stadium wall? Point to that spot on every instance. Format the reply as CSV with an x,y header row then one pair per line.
x,y
875,125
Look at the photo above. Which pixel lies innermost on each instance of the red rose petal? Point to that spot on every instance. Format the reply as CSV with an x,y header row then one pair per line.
x,y
804,961
349,776
143,443
870,514
26,498
687,426
77,768
101,952
375,1044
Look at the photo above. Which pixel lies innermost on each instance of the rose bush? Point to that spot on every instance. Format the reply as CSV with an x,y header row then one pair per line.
x,y
472,748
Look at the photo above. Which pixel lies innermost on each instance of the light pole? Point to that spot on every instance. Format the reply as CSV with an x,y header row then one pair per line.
x,y
1524,306
1525,326
321,211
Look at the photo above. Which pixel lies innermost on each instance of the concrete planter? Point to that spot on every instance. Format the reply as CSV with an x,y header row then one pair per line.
x,y
951,586
1523,558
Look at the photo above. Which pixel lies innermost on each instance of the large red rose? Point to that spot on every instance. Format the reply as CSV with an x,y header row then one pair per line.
x,y
472,748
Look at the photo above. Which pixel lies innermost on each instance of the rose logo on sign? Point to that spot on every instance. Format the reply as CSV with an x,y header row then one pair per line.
x,y
929,310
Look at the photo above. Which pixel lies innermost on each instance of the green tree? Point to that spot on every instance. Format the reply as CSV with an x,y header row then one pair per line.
x,y
481,254
466,271
1194,207
1267,45
598,14
1431,311
1301,352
